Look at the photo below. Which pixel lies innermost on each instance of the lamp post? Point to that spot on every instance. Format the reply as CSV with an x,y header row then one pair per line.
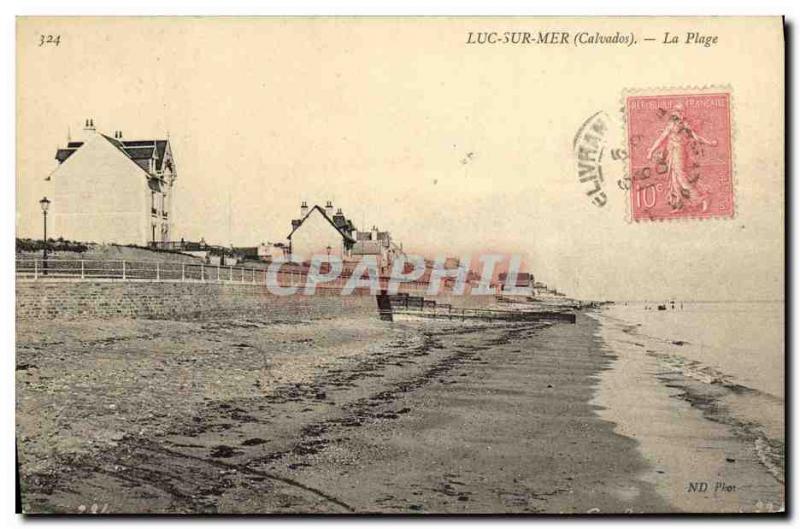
x,y
45,205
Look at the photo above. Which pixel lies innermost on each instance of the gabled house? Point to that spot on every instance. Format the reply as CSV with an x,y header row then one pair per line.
x,y
107,189
320,231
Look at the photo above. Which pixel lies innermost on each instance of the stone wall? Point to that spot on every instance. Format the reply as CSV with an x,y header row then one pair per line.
x,y
88,299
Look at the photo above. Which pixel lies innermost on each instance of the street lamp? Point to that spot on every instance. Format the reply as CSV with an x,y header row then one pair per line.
x,y
45,205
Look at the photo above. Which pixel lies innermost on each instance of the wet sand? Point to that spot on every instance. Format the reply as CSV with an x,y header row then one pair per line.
x,y
337,416
705,454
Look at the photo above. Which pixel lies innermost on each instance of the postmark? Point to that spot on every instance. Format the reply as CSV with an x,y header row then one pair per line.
x,y
589,145
680,162
600,158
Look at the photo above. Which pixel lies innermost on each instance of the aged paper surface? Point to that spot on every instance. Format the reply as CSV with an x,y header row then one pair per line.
x,y
400,265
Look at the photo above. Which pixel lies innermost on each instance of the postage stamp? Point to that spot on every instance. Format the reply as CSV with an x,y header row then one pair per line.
x,y
679,155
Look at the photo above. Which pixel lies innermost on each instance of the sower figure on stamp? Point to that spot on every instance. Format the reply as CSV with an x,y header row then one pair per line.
x,y
677,136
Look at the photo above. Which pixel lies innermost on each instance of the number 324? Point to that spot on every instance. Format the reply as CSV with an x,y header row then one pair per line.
x,y
55,40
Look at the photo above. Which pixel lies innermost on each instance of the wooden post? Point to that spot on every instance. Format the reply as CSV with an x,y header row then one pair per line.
x,y
202,272
183,272
82,272
35,269
158,272
124,271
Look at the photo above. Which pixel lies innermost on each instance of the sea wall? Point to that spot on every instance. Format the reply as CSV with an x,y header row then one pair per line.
x,y
179,300
164,300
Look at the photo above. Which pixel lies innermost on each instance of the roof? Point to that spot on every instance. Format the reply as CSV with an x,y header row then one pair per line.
x,y
367,248
339,221
146,149
296,225
140,151
523,278
246,250
137,153
63,154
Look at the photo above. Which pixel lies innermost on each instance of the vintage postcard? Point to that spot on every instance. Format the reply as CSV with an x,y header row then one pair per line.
x,y
400,265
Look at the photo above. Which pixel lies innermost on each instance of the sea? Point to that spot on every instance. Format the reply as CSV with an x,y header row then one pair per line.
x,y
744,341
701,387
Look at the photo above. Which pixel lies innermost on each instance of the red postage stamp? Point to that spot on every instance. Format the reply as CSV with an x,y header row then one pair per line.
x,y
680,158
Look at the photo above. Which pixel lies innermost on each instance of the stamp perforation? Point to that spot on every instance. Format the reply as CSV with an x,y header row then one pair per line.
x,y
709,89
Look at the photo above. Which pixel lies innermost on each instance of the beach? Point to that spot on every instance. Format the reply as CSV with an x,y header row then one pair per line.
x,y
330,416
700,388
357,415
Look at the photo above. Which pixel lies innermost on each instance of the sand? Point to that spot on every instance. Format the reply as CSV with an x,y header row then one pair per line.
x,y
334,416
702,455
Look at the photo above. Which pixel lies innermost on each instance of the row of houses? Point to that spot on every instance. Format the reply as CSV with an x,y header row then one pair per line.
x,y
110,189
322,230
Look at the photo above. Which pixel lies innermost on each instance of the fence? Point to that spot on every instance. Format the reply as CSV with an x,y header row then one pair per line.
x,y
37,269
390,306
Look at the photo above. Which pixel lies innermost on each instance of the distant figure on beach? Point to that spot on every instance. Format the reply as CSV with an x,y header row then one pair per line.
x,y
676,137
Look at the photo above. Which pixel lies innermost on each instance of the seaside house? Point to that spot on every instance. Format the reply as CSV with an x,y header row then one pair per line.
x,y
378,244
265,252
523,280
107,189
320,231
269,252
539,288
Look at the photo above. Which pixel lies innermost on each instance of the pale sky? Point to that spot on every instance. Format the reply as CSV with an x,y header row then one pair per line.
x,y
453,148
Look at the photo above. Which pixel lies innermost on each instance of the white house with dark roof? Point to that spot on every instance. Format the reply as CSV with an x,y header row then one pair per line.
x,y
320,231
107,189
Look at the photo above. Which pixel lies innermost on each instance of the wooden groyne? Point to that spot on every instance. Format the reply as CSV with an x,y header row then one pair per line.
x,y
402,306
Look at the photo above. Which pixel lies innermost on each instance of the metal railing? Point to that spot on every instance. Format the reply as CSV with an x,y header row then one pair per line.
x,y
124,270
36,269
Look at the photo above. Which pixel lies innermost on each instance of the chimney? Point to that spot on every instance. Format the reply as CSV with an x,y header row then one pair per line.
x,y
89,125
329,208
339,220
303,209
374,233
